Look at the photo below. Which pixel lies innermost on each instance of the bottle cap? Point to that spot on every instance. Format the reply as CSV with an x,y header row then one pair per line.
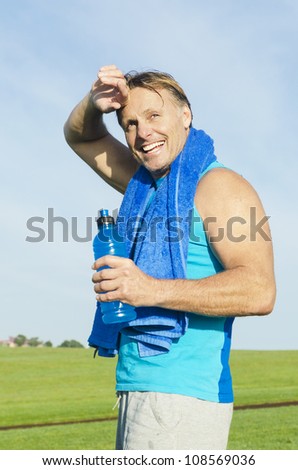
x,y
104,218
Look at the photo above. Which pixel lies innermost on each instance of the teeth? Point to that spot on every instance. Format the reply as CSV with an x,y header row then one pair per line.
x,y
149,147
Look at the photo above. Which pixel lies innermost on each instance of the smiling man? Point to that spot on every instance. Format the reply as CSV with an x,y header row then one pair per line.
x,y
173,376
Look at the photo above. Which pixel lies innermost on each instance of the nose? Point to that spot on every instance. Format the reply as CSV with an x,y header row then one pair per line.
x,y
143,130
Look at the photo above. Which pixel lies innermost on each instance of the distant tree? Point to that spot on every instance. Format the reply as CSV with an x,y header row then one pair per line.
x,y
20,340
34,342
72,343
48,344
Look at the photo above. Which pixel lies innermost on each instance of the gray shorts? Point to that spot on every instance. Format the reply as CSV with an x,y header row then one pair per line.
x,y
163,421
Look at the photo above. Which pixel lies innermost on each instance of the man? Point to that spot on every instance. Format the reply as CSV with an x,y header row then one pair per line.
x,y
221,269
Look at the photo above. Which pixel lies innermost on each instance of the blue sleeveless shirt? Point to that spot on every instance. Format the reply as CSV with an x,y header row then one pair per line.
x,y
197,364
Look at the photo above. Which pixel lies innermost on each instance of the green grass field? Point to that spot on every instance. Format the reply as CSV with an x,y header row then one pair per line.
x,y
53,385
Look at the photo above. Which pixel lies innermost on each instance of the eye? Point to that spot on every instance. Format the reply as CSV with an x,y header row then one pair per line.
x,y
154,115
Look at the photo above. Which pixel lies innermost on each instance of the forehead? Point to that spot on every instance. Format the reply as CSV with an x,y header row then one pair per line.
x,y
142,100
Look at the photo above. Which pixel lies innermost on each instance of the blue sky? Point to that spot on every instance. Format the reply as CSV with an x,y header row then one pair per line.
x,y
236,60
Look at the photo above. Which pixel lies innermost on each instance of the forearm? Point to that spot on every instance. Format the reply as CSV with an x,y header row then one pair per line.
x,y
235,292
85,123
86,133
239,291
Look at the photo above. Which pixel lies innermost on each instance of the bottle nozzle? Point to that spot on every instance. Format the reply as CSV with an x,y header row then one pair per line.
x,y
104,212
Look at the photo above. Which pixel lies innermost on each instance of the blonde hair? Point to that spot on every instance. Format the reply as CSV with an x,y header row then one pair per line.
x,y
155,80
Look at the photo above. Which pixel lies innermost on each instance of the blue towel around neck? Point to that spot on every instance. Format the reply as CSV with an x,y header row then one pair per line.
x,y
159,247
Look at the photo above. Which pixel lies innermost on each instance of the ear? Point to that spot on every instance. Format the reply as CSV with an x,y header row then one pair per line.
x,y
187,117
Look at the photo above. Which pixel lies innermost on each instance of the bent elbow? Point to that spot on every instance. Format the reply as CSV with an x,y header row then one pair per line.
x,y
67,134
266,300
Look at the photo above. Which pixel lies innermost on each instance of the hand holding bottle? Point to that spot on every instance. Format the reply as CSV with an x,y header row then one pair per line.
x,y
106,243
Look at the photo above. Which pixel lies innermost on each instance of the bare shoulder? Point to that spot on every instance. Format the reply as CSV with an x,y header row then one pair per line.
x,y
235,221
223,190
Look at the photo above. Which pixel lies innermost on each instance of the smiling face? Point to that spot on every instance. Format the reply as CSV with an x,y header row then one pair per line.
x,y
156,128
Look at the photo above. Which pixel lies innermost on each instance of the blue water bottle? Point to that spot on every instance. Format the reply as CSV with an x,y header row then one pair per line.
x,y
106,243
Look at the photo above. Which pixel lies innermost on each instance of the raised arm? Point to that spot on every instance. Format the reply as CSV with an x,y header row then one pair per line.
x,y
87,135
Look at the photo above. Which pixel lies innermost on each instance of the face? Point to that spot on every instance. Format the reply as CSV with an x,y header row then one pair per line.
x,y
156,128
